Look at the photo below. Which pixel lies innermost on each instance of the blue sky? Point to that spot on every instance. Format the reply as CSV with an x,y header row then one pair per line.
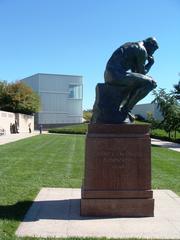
x,y
78,37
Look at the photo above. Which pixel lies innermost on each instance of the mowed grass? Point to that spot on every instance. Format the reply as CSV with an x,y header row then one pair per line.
x,y
28,165
58,161
165,169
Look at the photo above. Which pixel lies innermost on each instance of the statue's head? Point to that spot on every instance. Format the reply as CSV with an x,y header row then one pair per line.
x,y
151,45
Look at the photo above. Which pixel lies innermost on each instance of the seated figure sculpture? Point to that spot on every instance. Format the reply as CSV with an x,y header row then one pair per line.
x,y
125,73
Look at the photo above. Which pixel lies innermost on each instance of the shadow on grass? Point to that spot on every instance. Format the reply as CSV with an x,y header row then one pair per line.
x,y
15,211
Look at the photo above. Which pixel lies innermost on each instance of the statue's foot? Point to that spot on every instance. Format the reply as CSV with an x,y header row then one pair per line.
x,y
126,113
131,117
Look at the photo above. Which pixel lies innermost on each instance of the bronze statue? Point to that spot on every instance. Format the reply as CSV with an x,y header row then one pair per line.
x,y
125,81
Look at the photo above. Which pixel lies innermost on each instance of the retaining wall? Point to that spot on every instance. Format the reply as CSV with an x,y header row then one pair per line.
x,y
23,121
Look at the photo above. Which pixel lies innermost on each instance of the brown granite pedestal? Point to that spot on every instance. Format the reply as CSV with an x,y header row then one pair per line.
x,y
117,179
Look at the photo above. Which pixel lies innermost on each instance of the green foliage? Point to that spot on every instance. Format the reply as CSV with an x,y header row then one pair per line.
x,y
163,135
154,123
176,91
72,129
157,132
87,114
19,98
170,110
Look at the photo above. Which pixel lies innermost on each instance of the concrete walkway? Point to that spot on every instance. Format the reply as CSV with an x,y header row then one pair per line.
x,y
15,137
56,213
166,144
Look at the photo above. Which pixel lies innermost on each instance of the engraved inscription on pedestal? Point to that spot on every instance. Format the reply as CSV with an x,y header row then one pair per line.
x,y
115,164
112,160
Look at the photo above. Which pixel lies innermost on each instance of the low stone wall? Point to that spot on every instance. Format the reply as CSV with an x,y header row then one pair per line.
x,y
22,121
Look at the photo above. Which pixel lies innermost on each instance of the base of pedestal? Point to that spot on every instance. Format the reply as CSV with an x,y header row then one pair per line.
x,y
117,207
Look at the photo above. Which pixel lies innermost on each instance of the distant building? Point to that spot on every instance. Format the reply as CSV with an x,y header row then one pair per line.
x,y
144,109
61,98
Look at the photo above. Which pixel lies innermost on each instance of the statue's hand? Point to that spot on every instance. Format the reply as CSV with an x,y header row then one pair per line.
x,y
149,64
151,60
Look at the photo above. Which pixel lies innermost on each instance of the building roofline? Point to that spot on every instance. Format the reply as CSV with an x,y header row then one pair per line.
x,y
55,74
141,104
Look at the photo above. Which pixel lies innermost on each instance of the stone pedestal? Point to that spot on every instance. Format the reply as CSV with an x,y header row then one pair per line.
x,y
117,179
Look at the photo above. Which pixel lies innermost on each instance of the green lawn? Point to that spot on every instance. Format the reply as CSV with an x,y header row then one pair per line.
x,y
165,169
28,165
57,161
82,129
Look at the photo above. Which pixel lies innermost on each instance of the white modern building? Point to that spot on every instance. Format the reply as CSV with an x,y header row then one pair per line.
x,y
144,109
61,98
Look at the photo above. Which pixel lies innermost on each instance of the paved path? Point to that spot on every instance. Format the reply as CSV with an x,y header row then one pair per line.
x,y
166,144
15,137
56,213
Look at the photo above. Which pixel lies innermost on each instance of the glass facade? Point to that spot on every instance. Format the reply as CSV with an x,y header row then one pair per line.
x,y
75,91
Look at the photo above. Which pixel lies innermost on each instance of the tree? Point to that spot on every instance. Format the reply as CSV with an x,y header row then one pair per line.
x,y
18,97
87,115
170,110
5,98
176,91
154,123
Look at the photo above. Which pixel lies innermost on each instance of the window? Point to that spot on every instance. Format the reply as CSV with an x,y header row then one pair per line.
x,y
75,91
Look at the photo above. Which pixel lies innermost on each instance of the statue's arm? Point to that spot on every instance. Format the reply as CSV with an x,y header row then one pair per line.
x,y
149,64
141,69
139,60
